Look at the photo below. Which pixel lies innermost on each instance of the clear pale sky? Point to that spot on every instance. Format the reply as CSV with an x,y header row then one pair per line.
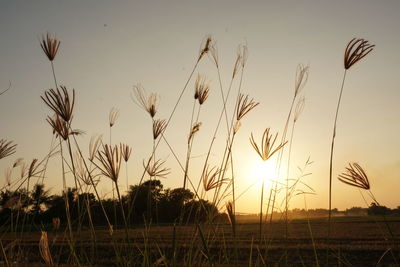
x,y
108,46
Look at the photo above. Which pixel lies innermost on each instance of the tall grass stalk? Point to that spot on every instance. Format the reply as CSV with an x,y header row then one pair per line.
x,y
311,233
356,50
202,52
300,81
200,95
239,63
93,184
331,154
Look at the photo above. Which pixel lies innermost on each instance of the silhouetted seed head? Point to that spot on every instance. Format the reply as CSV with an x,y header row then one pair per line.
x,y
356,49
6,148
126,152
61,128
244,51
158,127
60,102
355,176
148,103
156,169
210,178
244,106
94,144
113,116
301,78
82,173
241,59
299,108
18,162
202,89
195,129
110,161
231,214
50,46
237,64
32,171
266,149
205,47
44,249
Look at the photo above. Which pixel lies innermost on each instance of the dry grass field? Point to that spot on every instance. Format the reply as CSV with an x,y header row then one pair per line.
x,y
356,241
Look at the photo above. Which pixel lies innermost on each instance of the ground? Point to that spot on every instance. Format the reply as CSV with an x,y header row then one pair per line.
x,y
355,241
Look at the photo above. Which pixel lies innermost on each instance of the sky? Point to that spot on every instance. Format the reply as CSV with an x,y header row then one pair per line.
x,y
109,46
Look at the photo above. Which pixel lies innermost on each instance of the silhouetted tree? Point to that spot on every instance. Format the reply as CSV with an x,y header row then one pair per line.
x,y
40,200
375,209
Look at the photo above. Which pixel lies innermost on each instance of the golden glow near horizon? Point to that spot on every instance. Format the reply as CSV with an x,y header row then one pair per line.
x,y
263,171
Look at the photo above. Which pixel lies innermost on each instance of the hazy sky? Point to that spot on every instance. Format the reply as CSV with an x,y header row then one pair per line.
x,y
108,46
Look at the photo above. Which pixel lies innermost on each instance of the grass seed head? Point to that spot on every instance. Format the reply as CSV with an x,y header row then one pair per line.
x,y
60,102
80,169
62,128
237,65
266,150
244,52
244,106
44,249
156,169
50,46
202,89
109,161
210,178
231,214
148,103
301,78
32,171
355,176
113,116
7,148
126,152
205,47
94,144
241,59
356,49
299,108
158,128
195,129
18,162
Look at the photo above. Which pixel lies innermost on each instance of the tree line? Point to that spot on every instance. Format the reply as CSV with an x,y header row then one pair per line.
x,y
147,202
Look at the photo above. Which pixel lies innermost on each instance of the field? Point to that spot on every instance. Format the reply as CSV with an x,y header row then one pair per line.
x,y
356,241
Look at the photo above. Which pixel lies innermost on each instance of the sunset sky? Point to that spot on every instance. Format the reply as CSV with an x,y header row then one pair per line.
x,y
109,46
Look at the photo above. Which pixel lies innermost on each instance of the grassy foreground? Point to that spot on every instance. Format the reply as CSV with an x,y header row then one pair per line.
x,y
356,241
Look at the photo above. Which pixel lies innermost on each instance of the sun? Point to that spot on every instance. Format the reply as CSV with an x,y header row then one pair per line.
x,y
263,170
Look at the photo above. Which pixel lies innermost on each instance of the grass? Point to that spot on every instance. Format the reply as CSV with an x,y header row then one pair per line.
x,y
358,238
199,235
